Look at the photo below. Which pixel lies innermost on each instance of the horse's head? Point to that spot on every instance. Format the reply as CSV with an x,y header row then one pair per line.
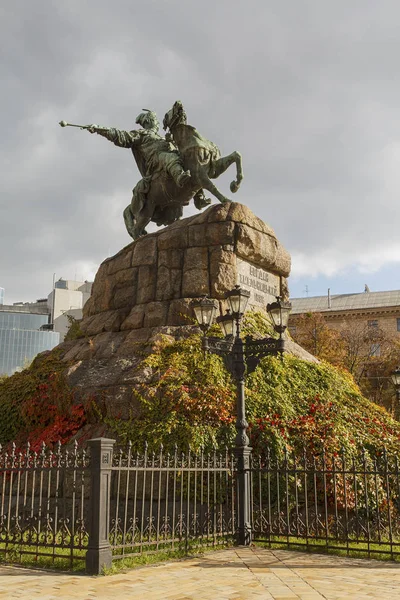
x,y
175,116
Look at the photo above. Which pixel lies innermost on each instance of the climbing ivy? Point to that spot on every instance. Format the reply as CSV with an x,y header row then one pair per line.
x,y
290,402
37,405
188,398
74,332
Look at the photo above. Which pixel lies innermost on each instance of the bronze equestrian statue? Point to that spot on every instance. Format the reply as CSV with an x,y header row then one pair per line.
x,y
174,169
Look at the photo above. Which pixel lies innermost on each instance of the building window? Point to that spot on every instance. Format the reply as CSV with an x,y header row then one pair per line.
x,y
61,284
375,349
373,323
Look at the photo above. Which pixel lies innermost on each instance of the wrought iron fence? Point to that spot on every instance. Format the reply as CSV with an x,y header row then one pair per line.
x,y
332,501
42,504
164,501
105,503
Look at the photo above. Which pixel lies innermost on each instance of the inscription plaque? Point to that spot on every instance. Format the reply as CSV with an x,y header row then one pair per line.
x,y
262,285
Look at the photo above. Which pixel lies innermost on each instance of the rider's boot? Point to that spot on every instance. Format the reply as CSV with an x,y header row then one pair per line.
x,y
200,201
183,178
179,175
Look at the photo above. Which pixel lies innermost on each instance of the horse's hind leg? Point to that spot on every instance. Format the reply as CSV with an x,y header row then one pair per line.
x,y
208,185
141,222
129,221
135,224
200,201
222,164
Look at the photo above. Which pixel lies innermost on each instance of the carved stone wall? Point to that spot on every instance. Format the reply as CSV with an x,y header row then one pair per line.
x,y
151,282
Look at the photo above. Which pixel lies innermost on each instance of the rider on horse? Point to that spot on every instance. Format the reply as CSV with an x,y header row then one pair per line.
x,y
153,154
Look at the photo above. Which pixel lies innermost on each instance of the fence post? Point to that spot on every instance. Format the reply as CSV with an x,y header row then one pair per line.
x,y
99,554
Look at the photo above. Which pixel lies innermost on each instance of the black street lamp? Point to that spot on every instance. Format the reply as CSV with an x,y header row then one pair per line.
x,y
241,357
395,378
204,311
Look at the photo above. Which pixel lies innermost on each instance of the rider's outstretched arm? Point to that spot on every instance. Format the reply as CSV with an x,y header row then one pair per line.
x,y
119,137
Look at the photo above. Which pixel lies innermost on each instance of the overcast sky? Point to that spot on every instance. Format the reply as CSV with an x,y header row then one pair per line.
x,y
307,90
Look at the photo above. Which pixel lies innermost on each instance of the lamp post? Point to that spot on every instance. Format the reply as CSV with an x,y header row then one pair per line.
x,y
395,378
241,357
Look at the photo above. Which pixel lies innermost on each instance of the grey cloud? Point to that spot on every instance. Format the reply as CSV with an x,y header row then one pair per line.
x,y
307,91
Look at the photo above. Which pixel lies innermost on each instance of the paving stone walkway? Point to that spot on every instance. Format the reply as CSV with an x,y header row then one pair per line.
x,y
234,574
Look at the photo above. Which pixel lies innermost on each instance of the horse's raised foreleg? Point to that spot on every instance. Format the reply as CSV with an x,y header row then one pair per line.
x,y
221,165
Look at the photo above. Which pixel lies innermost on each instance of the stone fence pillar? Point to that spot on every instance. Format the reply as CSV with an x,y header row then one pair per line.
x,y
99,553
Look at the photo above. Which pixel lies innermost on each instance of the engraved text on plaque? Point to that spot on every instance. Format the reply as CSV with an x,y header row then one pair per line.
x,y
262,285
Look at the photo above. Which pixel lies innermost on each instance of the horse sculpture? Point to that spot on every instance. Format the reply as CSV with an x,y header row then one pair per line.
x,y
200,156
164,198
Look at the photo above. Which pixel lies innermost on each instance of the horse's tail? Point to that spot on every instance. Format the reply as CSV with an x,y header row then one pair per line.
x,y
129,221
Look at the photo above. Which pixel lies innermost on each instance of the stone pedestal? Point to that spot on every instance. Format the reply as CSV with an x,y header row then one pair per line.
x,y
151,283
146,291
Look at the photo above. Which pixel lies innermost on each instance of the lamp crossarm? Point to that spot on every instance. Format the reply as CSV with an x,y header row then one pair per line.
x,y
246,356
223,348
217,345
255,350
265,345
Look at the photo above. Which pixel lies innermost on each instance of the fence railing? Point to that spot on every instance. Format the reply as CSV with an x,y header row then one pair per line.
x,y
104,503
161,500
100,504
337,500
43,503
